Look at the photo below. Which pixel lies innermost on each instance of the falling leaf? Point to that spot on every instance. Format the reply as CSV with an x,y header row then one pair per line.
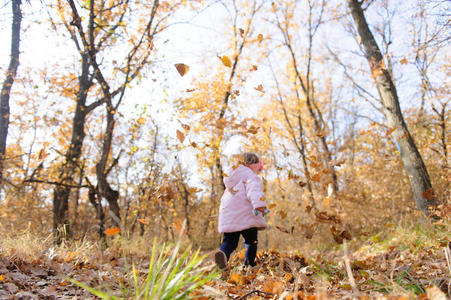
x,y
286,230
177,226
323,217
316,177
226,61
193,144
180,136
259,88
282,214
390,131
429,194
241,30
405,135
261,199
141,121
190,90
253,130
112,231
253,68
260,38
340,235
272,206
143,221
302,183
182,69
404,61
186,127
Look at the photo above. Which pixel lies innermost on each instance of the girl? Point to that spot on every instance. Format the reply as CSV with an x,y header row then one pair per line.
x,y
242,210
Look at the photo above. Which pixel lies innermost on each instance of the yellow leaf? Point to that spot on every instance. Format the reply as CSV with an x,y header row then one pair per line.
x,y
272,206
180,136
182,69
260,38
226,61
262,199
253,68
404,61
141,121
1,278
112,231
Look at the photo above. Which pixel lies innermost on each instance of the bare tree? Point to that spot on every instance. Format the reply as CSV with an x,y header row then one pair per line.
x,y
9,80
413,162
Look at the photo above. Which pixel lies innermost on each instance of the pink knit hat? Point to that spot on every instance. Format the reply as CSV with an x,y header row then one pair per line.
x,y
260,164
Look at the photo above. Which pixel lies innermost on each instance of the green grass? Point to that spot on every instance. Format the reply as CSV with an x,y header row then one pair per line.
x,y
172,274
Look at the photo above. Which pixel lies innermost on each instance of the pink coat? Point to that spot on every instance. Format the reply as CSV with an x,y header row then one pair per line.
x,y
243,194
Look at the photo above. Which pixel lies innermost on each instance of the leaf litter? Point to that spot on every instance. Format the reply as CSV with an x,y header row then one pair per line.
x,y
395,272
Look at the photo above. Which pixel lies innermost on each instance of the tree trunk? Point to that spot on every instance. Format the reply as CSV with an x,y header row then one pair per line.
x,y
413,162
105,189
69,168
10,77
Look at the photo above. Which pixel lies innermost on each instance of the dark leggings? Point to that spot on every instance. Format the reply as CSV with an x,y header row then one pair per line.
x,y
230,242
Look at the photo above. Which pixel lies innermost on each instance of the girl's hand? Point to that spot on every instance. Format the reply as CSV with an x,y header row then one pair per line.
x,y
261,209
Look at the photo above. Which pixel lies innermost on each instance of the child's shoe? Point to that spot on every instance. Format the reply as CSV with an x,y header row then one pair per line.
x,y
221,260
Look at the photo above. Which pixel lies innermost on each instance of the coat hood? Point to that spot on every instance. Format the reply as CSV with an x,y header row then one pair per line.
x,y
235,174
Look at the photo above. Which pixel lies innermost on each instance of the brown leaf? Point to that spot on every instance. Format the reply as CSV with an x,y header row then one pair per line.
x,y
340,235
316,177
259,88
260,38
193,144
302,184
429,194
286,230
253,68
404,61
182,69
143,221
253,130
186,127
180,136
282,214
112,231
323,217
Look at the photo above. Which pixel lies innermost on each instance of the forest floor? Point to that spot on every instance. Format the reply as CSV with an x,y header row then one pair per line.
x,y
400,264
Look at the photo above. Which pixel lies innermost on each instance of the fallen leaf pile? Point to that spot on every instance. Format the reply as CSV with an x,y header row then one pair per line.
x,y
393,273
